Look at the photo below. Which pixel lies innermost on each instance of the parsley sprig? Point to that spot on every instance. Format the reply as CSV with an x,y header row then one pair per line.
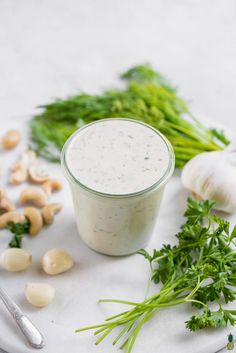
x,y
199,270
18,230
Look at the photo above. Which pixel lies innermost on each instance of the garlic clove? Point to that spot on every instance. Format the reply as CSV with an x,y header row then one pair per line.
x,y
230,153
15,260
39,294
231,146
56,261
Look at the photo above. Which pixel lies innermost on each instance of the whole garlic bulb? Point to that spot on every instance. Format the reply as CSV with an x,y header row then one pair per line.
x,y
39,294
212,176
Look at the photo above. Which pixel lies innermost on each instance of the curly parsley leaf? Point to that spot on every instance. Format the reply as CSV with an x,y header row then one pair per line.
x,y
19,230
214,319
196,210
200,269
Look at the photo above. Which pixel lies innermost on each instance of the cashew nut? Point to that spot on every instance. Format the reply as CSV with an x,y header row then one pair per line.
x,y
38,173
33,195
11,139
56,261
20,168
5,204
28,158
15,259
39,294
35,218
12,216
51,185
19,174
49,211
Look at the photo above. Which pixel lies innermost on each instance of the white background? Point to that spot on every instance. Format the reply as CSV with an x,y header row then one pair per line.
x,y
51,48
54,48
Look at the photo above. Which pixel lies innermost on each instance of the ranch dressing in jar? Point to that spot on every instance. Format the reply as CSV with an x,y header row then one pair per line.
x,y
117,169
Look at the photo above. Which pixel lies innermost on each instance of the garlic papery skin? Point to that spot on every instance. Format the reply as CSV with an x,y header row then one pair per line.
x,y
212,176
39,294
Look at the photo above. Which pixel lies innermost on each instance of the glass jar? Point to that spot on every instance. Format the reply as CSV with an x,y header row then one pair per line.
x,y
116,224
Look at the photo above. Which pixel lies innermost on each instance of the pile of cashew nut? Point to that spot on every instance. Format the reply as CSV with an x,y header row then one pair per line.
x,y
39,212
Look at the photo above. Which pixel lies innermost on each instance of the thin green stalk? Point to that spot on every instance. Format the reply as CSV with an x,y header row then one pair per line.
x,y
134,335
101,338
188,267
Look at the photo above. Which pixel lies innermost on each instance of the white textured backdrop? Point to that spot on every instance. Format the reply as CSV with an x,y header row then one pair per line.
x,y
51,48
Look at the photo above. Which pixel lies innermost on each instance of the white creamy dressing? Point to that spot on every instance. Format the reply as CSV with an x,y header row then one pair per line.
x,y
117,157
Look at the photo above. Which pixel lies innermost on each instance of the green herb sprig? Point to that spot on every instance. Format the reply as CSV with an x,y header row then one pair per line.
x,y
148,97
199,270
19,230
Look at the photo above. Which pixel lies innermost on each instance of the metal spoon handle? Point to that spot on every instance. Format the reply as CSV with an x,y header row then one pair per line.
x,y
30,332
3,351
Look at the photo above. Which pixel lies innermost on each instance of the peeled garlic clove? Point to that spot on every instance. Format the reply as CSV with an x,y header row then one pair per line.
x,y
56,261
212,176
15,260
39,294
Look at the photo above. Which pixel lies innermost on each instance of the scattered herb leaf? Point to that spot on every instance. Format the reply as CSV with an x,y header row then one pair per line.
x,y
19,230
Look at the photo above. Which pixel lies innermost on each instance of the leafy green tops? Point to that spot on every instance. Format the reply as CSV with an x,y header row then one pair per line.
x,y
148,97
18,230
199,270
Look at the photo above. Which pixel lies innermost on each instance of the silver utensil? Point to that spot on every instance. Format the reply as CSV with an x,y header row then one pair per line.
x,y
2,351
32,335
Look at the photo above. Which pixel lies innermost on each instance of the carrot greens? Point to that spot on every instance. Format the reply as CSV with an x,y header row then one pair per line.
x,y
147,97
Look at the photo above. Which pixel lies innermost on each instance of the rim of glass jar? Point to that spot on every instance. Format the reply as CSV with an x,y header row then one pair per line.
x,y
163,180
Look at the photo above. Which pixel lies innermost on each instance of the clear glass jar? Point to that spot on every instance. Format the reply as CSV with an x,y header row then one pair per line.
x,y
116,224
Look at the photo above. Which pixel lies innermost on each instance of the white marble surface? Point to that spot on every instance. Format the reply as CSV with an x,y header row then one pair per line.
x,y
54,48
51,48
